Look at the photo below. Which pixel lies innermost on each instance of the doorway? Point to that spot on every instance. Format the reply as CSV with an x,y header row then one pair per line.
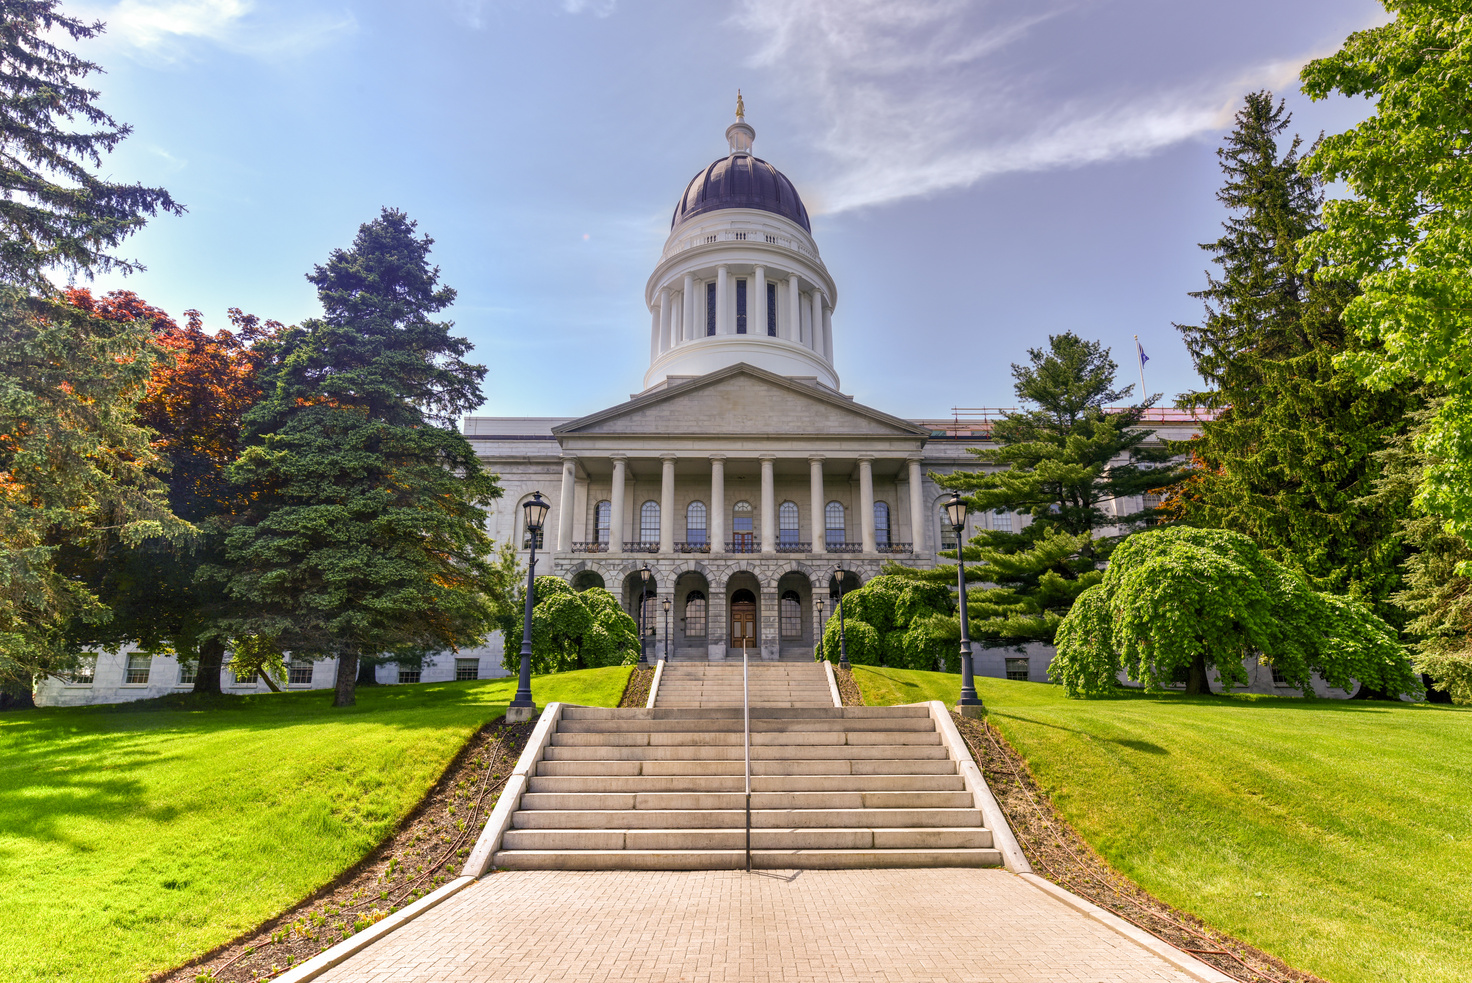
x,y
743,619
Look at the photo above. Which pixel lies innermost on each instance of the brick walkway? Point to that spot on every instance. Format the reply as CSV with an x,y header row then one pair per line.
x,y
771,927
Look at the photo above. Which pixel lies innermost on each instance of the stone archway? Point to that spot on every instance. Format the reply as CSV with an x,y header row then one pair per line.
x,y
690,624
743,614
649,618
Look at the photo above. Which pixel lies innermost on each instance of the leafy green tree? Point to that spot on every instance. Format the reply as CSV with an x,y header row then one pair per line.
x,y
1067,462
1405,231
365,528
896,621
1290,455
1190,599
571,630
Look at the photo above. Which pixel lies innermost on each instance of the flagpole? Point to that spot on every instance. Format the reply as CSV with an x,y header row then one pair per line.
x,y
1139,352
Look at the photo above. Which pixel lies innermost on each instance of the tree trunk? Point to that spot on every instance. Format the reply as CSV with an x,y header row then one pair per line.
x,y
207,672
1433,694
270,683
347,677
367,672
1197,684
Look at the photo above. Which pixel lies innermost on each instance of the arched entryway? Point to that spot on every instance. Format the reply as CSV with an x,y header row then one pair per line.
x,y
743,615
648,618
794,616
743,619
692,609
584,579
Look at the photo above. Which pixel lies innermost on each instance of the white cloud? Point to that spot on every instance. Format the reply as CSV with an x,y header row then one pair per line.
x,y
169,30
920,96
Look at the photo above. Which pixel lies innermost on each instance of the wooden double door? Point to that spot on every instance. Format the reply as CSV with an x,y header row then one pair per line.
x,y
743,620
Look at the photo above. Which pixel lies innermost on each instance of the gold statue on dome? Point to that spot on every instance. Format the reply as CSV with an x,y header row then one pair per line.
x,y
740,106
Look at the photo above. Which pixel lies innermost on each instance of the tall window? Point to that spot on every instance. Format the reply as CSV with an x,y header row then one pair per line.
x,y
881,523
694,614
947,532
187,674
137,672
602,521
790,614
772,310
741,307
695,524
787,515
649,522
742,515
710,308
651,611
833,521
1002,521
85,672
299,673
1152,500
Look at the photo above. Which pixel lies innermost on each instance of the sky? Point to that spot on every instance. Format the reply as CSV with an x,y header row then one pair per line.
x,y
980,173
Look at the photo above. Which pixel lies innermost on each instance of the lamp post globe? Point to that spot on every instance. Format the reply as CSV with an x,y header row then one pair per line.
x,y
956,512
842,637
644,574
522,707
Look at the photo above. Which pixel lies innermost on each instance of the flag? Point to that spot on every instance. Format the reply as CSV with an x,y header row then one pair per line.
x,y
1141,349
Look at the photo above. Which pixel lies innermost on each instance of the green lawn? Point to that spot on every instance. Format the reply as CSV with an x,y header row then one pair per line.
x,y
1336,835
130,841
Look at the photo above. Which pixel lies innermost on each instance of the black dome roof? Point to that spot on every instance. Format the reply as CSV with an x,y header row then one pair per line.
x,y
741,181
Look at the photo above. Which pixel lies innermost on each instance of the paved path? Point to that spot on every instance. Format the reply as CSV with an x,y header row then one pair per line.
x,y
947,925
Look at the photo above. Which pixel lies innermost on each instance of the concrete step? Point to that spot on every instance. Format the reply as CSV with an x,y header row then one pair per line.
x,y
829,838
759,725
734,713
738,739
736,752
611,801
736,818
736,859
759,766
601,784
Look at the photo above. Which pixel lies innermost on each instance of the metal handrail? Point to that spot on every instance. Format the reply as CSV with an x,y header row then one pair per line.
x,y
746,713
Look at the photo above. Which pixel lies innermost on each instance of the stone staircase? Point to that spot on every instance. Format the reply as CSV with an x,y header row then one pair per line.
x,y
663,788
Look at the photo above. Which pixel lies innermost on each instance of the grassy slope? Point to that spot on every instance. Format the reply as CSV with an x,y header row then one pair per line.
x,y
1336,835
131,841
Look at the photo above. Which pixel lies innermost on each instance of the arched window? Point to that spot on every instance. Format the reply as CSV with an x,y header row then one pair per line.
x,y
881,523
694,616
787,515
947,531
742,516
602,522
1002,521
649,522
526,533
695,524
790,614
833,521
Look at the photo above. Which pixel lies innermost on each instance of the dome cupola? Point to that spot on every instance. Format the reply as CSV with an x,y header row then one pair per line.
x,y
740,180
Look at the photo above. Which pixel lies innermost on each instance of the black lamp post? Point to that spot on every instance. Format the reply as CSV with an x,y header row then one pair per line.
x,y
842,638
522,707
644,574
666,604
819,602
956,512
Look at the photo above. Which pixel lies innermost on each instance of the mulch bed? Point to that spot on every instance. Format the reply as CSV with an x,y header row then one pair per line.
x,y
636,692
427,851
1058,853
848,690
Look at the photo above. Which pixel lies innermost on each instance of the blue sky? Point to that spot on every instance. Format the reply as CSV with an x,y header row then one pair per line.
x,y
981,172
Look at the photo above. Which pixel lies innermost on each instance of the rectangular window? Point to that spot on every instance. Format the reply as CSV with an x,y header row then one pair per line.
x,y
1017,669
695,615
947,533
1002,522
790,620
771,309
409,675
1278,678
710,309
467,669
137,673
741,307
187,674
243,680
85,672
299,674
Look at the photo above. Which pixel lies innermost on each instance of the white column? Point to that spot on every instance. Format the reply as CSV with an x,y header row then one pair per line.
x,y
919,523
716,519
654,333
815,489
866,503
677,318
794,310
566,504
769,506
666,321
667,505
723,298
616,503
804,321
690,319
828,332
816,341
758,294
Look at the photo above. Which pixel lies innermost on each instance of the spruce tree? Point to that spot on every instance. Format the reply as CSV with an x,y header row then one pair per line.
x,y
1291,451
1074,467
365,530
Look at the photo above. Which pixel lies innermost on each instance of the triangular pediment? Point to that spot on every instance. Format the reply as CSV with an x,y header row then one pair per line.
x,y
742,399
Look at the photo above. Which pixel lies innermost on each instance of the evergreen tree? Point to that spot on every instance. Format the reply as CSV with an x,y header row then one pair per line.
x,y
364,534
1291,451
1067,463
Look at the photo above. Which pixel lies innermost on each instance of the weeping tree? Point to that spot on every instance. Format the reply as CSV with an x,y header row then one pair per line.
x,y
571,630
894,621
1183,599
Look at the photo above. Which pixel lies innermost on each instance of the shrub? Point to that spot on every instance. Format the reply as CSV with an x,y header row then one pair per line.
x,y
572,630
